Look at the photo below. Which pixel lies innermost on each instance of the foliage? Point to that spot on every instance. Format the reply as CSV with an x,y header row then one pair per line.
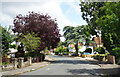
x,y
65,43
13,46
72,34
5,63
61,49
6,39
30,41
100,50
43,25
41,56
31,54
89,50
116,52
20,48
103,16
77,34
20,52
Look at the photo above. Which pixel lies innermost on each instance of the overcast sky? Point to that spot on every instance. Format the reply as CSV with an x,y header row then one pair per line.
x,y
66,12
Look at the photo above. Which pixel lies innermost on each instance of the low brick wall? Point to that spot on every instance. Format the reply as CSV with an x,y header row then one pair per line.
x,y
111,59
17,63
8,60
7,67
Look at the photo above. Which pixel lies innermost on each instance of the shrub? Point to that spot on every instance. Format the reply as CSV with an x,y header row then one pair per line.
x,y
100,50
89,50
116,52
5,63
61,49
41,56
29,54
65,50
13,46
20,52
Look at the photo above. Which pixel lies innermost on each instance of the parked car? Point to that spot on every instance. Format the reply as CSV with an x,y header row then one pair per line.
x,y
73,54
65,53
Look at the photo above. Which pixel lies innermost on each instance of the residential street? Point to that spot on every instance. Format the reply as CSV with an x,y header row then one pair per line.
x,y
68,66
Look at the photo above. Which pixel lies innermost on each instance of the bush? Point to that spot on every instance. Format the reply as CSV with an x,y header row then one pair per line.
x,y
116,52
56,53
100,50
20,52
41,56
61,49
89,50
5,63
29,54
13,46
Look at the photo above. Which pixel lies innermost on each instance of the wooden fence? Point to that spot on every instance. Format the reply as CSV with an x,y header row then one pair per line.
x,y
111,59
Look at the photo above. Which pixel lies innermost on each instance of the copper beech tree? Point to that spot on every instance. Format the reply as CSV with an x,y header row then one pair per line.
x,y
43,25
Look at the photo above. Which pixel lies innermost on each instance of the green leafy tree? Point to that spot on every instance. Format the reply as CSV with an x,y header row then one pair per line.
x,y
30,41
86,33
100,50
73,35
116,53
103,16
6,39
77,34
13,46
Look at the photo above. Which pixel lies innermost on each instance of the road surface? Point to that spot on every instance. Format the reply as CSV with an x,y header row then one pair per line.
x,y
68,66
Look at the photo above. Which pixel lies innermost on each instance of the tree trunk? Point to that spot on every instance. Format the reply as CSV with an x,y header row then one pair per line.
x,y
76,48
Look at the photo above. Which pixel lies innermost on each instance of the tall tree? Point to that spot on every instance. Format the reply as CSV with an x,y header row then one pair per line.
x,y
104,17
73,35
43,25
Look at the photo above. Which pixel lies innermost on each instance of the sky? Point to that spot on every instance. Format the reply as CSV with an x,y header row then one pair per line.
x,y
66,12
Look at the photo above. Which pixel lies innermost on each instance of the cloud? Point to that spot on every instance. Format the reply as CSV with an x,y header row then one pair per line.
x,y
11,8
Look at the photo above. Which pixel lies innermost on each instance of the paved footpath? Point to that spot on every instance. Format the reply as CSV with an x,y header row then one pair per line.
x,y
107,69
34,66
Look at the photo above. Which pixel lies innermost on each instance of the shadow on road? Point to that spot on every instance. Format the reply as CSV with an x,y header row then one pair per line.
x,y
72,62
115,72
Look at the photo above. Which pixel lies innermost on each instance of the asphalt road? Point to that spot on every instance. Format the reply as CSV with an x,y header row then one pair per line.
x,y
68,66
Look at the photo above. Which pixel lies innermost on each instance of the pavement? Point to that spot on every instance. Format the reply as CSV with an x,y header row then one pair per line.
x,y
107,68
32,67
67,66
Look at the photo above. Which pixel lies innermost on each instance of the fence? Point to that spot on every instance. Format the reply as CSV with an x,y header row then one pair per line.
x,y
111,59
